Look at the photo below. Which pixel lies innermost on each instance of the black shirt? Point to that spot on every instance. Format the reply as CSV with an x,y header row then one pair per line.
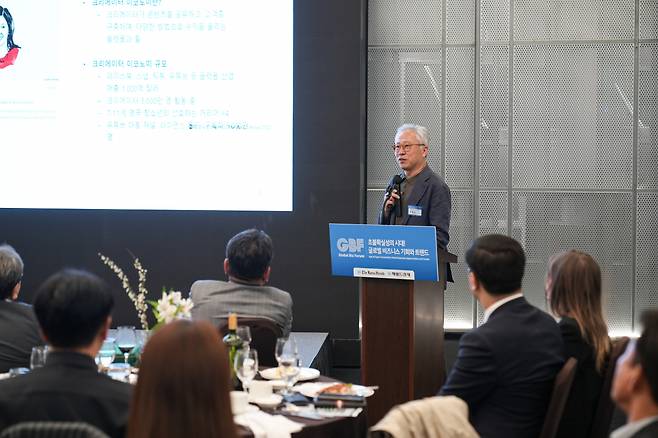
x,y
67,388
19,332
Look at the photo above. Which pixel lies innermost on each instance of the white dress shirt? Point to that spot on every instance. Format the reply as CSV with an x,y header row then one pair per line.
x,y
631,429
489,310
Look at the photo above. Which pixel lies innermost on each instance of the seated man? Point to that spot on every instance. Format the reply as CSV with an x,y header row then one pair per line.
x,y
247,266
73,309
635,385
19,331
505,368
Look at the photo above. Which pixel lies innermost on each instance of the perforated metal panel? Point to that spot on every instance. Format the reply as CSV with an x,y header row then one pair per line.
x,y
494,21
374,200
458,302
459,138
597,223
403,87
460,21
384,113
647,133
559,20
494,116
572,110
492,217
646,273
648,19
404,22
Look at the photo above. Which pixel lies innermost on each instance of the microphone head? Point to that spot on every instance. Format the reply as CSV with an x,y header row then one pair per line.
x,y
397,180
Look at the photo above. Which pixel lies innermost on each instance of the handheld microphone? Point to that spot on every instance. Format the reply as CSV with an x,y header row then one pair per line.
x,y
395,185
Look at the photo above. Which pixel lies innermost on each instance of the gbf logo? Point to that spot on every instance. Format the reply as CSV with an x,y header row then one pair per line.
x,y
351,245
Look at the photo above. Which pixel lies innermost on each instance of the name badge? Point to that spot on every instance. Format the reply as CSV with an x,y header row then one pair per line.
x,y
415,210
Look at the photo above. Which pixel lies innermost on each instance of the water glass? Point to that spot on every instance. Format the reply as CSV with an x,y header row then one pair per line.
x,y
246,366
107,353
288,358
126,340
38,356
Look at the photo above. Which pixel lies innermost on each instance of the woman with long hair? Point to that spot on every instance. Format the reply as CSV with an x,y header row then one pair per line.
x,y
573,291
183,385
8,49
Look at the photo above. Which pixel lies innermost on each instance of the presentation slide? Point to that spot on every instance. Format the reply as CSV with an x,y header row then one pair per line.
x,y
147,104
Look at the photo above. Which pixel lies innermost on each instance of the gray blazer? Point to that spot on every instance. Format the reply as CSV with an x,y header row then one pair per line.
x,y
214,299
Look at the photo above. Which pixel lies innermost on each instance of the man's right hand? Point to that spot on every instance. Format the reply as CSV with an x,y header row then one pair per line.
x,y
391,201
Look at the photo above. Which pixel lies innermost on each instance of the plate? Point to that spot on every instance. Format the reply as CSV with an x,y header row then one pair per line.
x,y
248,410
312,389
304,374
270,401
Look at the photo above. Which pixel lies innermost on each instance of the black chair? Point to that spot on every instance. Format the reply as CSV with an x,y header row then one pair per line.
x,y
52,429
605,406
264,333
561,390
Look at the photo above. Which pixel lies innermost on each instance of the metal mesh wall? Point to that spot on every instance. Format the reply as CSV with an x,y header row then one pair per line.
x,y
572,115
569,20
646,280
647,132
648,19
494,116
404,22
459,110
545,146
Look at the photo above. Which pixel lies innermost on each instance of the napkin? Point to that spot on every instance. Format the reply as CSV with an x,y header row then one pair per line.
x,y
264,425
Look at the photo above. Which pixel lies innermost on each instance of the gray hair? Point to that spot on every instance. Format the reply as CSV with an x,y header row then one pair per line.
x,y
11,270
421,132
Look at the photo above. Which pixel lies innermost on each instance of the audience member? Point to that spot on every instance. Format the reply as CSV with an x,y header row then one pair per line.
x,y
635,385
19,331
573,292
183,386
247,265
73,309
505,368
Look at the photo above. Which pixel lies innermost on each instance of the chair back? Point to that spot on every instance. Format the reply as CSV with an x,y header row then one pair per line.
x,y
52,429
605,407
561,389
264,333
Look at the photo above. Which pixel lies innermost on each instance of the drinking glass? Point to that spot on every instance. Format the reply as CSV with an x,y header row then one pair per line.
x,y
107,352
246,366
244,333
126,340
288,359
38,356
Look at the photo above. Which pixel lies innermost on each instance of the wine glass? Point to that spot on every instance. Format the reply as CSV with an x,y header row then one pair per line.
x,y
246,366
38,356
107,353
126,341
288,359
244,333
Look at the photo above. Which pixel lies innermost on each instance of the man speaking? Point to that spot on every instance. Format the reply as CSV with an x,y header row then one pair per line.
x,y
417,196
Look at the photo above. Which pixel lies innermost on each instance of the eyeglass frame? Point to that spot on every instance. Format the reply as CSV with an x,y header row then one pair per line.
x,y
405,147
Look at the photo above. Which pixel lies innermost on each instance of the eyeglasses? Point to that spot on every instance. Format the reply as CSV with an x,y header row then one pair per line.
x,y
405,147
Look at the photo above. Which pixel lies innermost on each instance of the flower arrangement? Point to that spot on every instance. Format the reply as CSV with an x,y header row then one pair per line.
x,y
170,307
139,298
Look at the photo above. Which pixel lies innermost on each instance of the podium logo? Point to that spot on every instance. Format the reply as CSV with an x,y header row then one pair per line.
x,y
351,245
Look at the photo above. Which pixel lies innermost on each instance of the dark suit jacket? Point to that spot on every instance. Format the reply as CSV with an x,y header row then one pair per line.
x,y
432,194
67,388
505,370
19,332
586,388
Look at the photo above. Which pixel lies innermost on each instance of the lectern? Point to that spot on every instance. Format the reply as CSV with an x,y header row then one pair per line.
x,y
403,279
402,339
